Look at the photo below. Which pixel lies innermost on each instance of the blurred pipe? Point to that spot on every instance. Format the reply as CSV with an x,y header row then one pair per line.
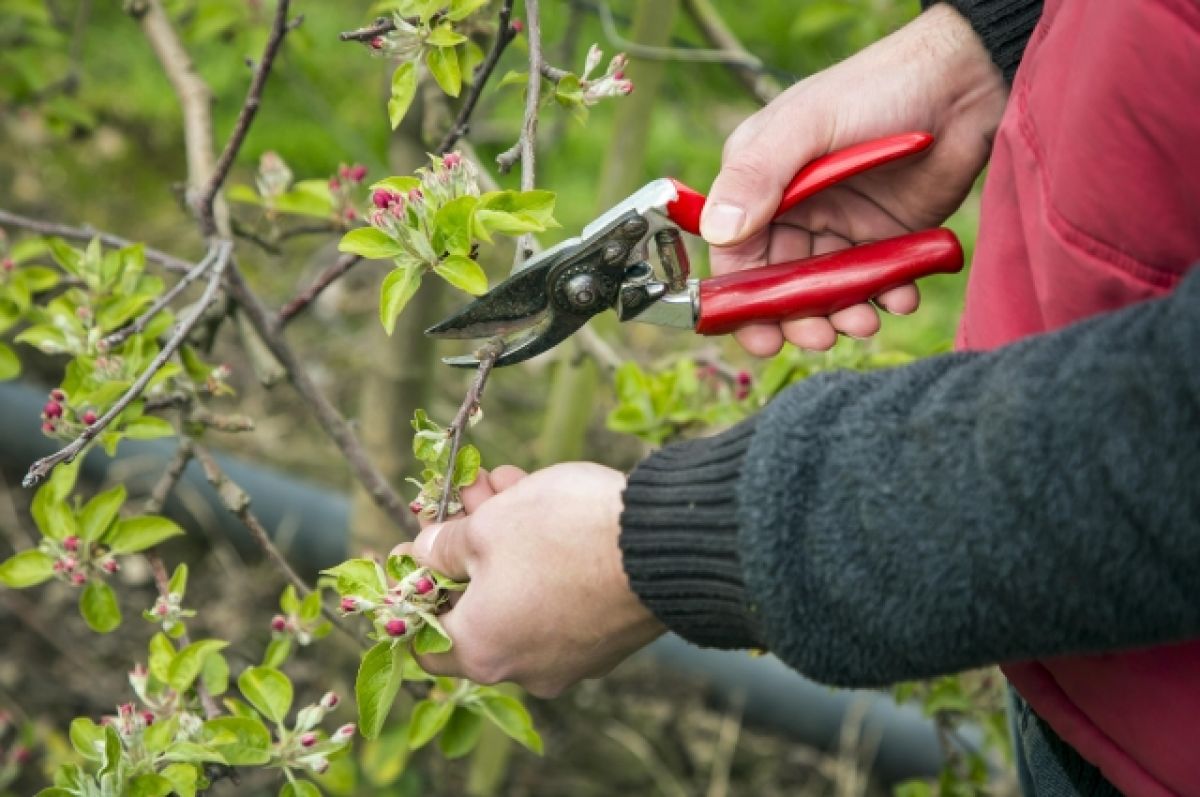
x,y
315,519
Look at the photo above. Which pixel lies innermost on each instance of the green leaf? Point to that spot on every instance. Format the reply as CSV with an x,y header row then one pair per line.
x,y
178,582
513,78
463,273
215,674
55,791
148,427
431,640
26,569
243,193
398,287
139,533
445,35
306,198
453,225
111,757
490,221
87,738
241,741
404,88
299,788
400,566
189,662
277,652
370,243
162,653
99,513
310,608
401,185
535,205
512,718
10,366
461,9
193,752
379,677
358,577
67,256
466,466
149,785
443,65
383,759
50,511
289,602
45,338
461,733
98,605
268,690
428,718
184,778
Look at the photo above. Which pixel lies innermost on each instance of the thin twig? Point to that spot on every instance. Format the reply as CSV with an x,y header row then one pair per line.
x,y
280,27
163,582
523,150
487,355
685,54
171,476
139,323
764,87
505,33
379,27
306,297
87,233
40,469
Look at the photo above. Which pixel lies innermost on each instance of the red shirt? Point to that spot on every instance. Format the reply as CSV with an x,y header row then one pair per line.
x,y
1092,203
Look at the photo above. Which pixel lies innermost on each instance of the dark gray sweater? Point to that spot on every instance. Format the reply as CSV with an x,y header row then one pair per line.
x,y
968,509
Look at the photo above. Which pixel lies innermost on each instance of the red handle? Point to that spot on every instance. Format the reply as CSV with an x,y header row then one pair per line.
x,y
817,286
816,176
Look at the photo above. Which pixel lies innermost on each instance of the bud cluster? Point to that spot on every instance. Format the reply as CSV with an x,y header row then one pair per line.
x,y
77,561
15,756
612,83
291,625
304,746
343,187
405,43
408,216
169,612
403,609
274,177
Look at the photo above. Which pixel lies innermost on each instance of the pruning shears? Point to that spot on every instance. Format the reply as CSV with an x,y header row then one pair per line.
x,y
608,267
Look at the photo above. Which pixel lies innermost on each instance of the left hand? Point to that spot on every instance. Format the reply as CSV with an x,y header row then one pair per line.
x,y
548,602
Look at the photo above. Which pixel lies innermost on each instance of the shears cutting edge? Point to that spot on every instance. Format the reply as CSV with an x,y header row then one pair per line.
x,y
608,267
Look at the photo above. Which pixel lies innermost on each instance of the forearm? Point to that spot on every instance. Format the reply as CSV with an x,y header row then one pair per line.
x,y
1004,26
968,509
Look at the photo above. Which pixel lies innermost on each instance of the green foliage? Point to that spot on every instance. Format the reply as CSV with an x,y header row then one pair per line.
x,y
431,447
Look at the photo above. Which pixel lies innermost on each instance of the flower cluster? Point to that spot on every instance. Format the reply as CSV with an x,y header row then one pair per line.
x,y
612,83
169,612
343,188
405,43
59,416
405,607
274,177
404,208
76,561
304,747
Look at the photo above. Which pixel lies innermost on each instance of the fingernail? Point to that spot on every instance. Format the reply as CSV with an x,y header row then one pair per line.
x,y
721,223
423,544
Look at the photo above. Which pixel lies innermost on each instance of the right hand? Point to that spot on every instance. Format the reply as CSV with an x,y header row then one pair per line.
x,y
932,75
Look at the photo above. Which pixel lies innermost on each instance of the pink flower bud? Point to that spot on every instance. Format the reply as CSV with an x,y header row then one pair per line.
x,y
424,585
8,264
71,543
344,172
308,739
90,417
415,195
619,74
517,25
78,578
626,87
21,754
58,395
594,54
161,608
358,172
395,627
345,732
377,43
278,623
334,184
52,409
109,565
320,765
415,507
742,393
349,604
48,427
382,198
69,563
125,710
452,160
329,700
744,378
139,671
148,717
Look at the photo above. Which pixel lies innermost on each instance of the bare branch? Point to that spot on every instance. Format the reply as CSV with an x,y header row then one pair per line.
x,y
379,27
139,323
523,150
87,233
487,355
505,33
709,21
166,483
279,28
302,300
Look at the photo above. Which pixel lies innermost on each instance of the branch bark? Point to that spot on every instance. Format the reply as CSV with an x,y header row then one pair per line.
x,y
487,355
505,33
86,233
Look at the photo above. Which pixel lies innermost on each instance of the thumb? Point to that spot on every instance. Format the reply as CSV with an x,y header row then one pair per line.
x,y
444,547
759,160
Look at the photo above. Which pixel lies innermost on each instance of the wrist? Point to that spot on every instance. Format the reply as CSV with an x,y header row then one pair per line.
x,y
959,53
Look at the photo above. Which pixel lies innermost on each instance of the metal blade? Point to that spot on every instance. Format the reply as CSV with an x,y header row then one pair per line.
x,y
516,303
547,334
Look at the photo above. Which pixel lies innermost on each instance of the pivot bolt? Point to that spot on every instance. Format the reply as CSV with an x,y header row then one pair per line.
x,y
581,291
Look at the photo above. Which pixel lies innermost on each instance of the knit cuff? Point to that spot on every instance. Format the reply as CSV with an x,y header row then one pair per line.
x,y
1004,26
679,540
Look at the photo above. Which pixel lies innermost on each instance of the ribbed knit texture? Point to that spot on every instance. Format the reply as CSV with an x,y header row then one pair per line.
x,y
1004,26
679,539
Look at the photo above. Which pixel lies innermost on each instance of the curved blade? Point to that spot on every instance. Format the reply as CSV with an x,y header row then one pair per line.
x,y
516,303
545,335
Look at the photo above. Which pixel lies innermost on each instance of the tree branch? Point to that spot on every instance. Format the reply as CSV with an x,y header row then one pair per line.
x,y
279,29
87,233
379,27
505,33
487,355
300,302
139,323
40,469
523,150
709,21
166,483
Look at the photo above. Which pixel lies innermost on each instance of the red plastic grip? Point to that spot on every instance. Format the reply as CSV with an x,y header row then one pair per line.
x,y
818,286
817,175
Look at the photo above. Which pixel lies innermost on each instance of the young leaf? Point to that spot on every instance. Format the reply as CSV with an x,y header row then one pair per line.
x,y
513,78
162,653
241,741
277,652
512,718
98,605
453,224
466,466
178,582
428,718
401,184
443,65
184,778
398,287
445,36
215,674
289,601
461,9
383,759
370,243
149,785
87,738
431,640
137,534
50,511
379,677
404,88
148,427
10,366
187,664
461,733
399,567
67,256
299,788
463,273
310,608
358,577
99,513
268,690
26,569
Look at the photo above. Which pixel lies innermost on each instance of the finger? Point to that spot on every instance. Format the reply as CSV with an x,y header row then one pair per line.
x,y
814,334
859,321
505,476
403,549
445,547
477,492
760,340
900,301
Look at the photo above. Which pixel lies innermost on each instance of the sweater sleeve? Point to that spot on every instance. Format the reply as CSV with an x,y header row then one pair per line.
x,y
1004,26
973,508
